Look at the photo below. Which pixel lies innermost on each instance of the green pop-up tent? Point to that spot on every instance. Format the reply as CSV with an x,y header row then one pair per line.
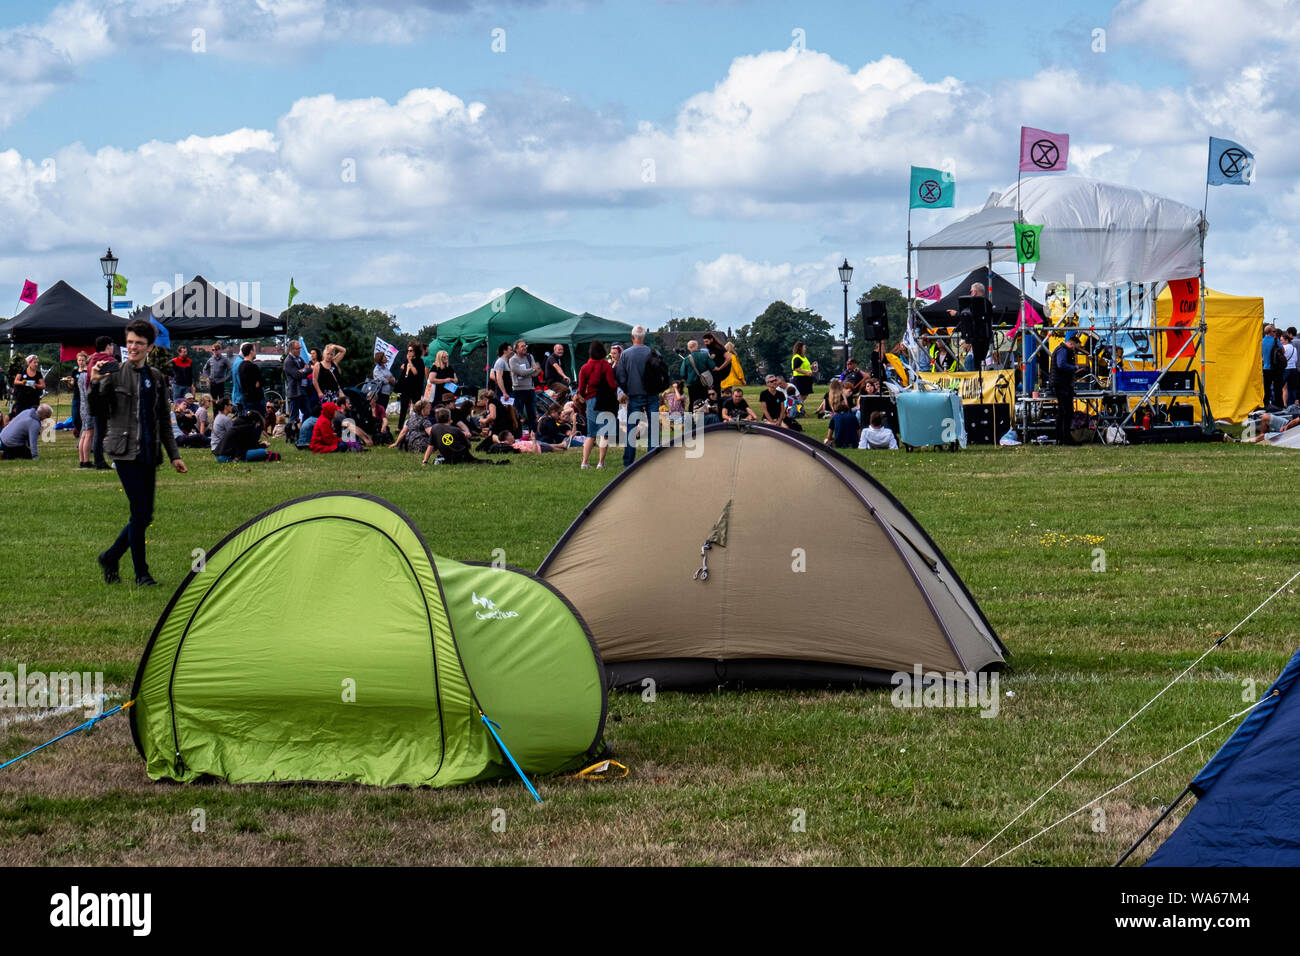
x,y
580,330
506,317
322,641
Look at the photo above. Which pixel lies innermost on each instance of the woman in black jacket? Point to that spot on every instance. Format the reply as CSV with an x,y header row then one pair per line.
x,y
410,383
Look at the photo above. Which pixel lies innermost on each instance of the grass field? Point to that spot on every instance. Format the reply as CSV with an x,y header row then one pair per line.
x,y
1195,537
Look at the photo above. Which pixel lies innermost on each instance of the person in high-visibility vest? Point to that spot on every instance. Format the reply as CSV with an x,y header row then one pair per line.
x,y
801,370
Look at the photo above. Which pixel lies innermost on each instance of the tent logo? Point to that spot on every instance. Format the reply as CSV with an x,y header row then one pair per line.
x,y
490,611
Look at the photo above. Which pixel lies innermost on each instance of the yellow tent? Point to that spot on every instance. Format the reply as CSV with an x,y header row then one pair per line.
x,y
1234,335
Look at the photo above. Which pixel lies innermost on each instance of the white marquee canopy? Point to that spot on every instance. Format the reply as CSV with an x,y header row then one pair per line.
x,y
1092,232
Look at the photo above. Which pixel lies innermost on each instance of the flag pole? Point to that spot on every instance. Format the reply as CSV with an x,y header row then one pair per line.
x,y
1200,327
908,333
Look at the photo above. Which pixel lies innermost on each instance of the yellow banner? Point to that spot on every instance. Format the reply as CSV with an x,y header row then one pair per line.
x,y
990,388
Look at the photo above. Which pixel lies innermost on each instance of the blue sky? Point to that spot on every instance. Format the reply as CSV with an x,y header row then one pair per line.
x,y
477,170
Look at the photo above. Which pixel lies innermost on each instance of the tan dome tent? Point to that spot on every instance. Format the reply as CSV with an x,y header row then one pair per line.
x,y
815,573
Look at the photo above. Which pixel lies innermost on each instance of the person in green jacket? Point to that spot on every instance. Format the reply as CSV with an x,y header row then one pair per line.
x,y
696,366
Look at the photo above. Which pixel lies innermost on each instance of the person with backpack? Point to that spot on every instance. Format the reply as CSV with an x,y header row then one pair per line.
x,y
643,375
697,372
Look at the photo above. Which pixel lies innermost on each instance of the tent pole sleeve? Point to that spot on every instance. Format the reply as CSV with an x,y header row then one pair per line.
x,y
1151,829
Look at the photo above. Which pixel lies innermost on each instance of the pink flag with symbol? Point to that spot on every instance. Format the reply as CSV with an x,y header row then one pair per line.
x,y
931,293
29,292
1043,152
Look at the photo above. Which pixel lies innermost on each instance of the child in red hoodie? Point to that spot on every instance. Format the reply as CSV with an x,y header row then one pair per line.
x,y
323,438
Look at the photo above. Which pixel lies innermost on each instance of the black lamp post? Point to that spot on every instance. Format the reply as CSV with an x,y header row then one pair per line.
x,y
108,262
846,274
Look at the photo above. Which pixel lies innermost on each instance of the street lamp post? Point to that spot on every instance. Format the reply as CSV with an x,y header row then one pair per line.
x,y
108,262
846,274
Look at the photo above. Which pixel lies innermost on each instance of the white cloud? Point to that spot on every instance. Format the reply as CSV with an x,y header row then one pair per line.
x,y
36,59
1210,41
731,280
783,136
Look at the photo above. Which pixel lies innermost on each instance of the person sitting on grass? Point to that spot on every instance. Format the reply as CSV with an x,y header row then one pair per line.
x,y
736,409
203,416
243,441
184,439
324,440
221,424
305,431
414,435
843,431
773,399
834,392
19,438
876,435
451,441
552,430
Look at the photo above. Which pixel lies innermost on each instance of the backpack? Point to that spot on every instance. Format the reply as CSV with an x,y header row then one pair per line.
x,y
1278,355
655,378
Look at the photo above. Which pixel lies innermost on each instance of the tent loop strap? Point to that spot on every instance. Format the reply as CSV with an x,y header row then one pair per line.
x,y
493,727
702,573
90,723
601,771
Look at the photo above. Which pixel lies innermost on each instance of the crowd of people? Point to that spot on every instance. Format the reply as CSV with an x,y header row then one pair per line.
x,y
526,406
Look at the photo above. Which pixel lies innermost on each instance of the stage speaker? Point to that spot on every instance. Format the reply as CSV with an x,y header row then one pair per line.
x,y
1178,381
1180,414
875,321
986,424
885,404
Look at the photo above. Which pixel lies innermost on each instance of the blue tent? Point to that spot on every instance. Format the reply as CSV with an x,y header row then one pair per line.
x,y
1248,795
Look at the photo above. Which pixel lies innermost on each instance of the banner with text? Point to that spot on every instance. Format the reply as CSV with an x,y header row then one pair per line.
x,y
989,388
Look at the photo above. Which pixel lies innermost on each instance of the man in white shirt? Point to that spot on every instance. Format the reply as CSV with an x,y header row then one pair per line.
x,y
1292,378
876,435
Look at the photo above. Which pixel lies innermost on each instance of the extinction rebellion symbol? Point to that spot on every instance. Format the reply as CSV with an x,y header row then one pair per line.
x,y
1232,161
930,192
1028,245
1044,154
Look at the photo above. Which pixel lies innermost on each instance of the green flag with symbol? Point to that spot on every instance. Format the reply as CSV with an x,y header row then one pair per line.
x,y
119,284
293,290
1027,242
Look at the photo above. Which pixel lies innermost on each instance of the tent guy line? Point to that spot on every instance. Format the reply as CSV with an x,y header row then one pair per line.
x,y
1128,781
1134,717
